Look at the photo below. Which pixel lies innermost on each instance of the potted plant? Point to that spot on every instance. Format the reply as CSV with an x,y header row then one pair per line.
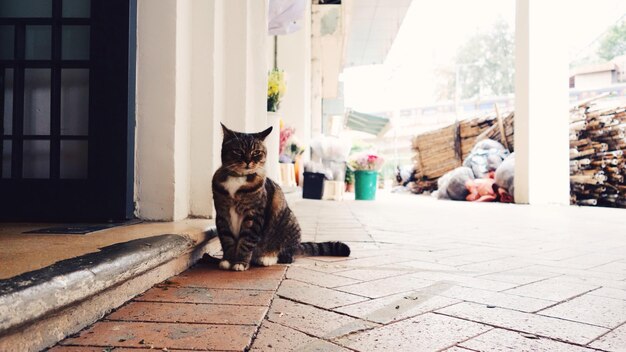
x,y
366,167
349,180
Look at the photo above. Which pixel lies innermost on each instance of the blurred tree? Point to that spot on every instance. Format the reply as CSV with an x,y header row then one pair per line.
x,y
484,65
614,42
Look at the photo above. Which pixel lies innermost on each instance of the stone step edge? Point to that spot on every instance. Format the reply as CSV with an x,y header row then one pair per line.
x,y
32,296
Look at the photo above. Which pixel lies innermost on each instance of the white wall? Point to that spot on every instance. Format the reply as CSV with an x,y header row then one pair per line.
x,y
594,80
156,105
541,106
198,63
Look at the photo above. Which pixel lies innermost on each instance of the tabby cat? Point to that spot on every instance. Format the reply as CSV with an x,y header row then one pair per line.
x,y
254,223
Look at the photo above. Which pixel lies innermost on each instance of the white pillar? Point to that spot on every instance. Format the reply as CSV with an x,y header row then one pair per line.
x,y
243,63
156,109
199,63
205,135
541,105
229,84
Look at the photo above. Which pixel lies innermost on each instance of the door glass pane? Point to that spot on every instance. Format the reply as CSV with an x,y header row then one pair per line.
x,y
25,8
76,8
8,101
38,42
36,162
37,101
74,101
6,159
73,159
75,43
7,43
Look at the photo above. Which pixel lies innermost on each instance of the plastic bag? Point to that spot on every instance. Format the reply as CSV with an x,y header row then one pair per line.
x,y
485,157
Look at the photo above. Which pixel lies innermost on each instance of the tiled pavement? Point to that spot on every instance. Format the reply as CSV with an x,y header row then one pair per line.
x,y
425,275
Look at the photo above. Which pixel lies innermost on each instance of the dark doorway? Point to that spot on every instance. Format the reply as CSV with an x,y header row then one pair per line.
x,y
67,110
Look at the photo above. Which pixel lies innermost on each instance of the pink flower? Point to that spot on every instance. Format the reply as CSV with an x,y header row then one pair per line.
x,y
365,161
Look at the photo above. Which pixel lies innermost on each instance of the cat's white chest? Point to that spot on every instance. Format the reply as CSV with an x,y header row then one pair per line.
x,y
232,184
236,220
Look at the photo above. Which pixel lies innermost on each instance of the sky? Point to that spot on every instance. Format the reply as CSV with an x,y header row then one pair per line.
x,y
433,30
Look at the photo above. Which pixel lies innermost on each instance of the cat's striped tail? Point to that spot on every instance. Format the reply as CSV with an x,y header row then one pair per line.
x,y
336,249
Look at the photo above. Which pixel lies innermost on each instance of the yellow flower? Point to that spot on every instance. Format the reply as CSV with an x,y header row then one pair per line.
x,y
276,88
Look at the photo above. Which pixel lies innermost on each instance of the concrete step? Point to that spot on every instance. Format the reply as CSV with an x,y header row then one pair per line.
x,y
41,307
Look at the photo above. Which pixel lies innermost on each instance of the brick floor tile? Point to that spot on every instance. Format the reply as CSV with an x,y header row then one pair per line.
x,y
105,349
613,341
59,348
328,259
498,299
189,313
206,295
525,322
396,307
318,278
552,289
608,275
371,262
497,265
465,281
457,349
519,276
275,337
614,267
316,265
165,335
374,273
504,340
315,295
385,287
427,266
610,293
428,332
602,311
314,321
589,261
560,254
266,278
75,349
479,256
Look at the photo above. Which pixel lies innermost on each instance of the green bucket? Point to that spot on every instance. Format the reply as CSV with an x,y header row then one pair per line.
x,y
365,184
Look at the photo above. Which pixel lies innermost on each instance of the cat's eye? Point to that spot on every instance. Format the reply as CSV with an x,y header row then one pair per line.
x,y
236,152
256,153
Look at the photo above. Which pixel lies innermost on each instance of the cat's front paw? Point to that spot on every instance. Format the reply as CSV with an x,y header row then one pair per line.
x,y
225,265
267,260
239,267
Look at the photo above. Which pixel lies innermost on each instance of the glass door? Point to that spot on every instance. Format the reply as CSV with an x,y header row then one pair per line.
x,y
64,137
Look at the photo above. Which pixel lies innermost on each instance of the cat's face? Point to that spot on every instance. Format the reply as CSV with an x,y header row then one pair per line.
x,y
244,153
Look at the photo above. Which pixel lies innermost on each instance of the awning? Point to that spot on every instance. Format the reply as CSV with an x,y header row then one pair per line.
x,y
372,124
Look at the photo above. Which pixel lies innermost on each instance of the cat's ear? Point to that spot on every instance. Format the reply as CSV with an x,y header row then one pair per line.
x,y
264,134
227,133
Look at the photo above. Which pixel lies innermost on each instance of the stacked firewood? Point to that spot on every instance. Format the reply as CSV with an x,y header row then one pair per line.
x,y
597,162
444,149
